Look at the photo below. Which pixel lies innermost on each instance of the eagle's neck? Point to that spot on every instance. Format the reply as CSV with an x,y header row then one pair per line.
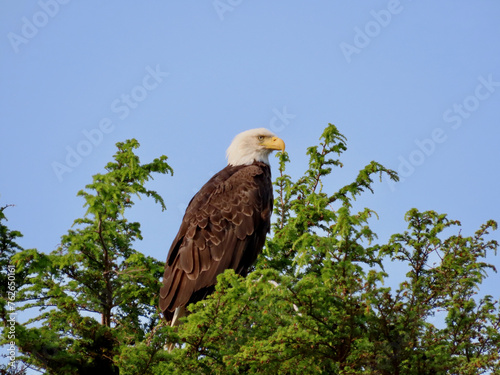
x,y
246,155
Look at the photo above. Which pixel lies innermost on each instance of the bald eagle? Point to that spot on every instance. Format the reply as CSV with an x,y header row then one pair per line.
x,y
224,226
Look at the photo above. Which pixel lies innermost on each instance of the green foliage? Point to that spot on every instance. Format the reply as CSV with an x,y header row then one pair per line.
x,y
95,293
8,247
10,281
316,303
444,276
307,226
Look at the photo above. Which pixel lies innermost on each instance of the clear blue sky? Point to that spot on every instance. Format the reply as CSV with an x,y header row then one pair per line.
x,y
414,85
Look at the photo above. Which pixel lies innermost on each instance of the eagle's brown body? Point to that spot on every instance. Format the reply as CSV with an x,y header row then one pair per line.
x,y
224,227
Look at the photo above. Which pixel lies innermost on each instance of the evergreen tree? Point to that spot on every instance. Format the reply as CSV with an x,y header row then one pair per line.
x,y
10,282
316,302
94,293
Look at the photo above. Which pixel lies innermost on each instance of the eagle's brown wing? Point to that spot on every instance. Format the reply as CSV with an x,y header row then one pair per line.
x,y
224,227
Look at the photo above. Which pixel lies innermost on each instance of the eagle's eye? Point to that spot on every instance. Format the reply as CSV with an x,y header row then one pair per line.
x,y
261,138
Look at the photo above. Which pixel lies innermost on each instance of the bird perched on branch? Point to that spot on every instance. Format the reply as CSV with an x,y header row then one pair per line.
x,y
225,224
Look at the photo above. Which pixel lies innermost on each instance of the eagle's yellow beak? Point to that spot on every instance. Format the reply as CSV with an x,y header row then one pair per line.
x,y
274,143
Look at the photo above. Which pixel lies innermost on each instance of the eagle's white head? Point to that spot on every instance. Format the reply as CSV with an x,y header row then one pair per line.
x,y
253,145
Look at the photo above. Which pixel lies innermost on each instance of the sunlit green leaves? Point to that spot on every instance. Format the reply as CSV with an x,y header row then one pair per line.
x,y
319,301
95,290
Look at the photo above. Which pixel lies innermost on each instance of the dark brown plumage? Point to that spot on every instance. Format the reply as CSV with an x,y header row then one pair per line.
x,y
225,224
224,227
